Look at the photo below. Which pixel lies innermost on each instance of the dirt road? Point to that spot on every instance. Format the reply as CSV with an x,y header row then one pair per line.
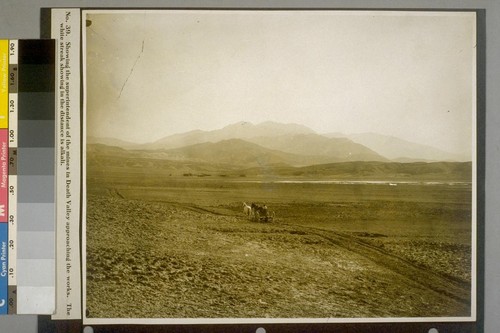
x,y
173,260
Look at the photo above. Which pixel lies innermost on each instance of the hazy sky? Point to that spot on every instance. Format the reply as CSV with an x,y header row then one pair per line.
x,y
410,75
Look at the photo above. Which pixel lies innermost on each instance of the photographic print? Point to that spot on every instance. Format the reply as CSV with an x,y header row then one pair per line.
x,y
279,166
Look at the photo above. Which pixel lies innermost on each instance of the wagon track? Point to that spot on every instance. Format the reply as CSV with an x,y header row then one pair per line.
x,y
434,281
212,260
439,283
196,209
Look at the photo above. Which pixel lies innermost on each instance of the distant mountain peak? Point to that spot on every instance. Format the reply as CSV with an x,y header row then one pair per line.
x,y
240,130
238,124
289,126
282,128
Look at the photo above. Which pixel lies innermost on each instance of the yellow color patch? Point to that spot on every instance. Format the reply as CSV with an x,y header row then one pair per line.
x,y
4,83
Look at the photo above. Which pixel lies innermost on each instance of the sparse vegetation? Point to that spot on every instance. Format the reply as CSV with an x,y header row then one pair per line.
x,y
181,247
350,239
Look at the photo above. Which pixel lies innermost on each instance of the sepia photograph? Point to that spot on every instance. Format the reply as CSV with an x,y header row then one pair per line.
x,y
279,166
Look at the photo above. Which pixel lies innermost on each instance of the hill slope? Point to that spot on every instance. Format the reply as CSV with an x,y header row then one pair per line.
x,y
392,171
241,153
397,149
257,161
285,139
334,149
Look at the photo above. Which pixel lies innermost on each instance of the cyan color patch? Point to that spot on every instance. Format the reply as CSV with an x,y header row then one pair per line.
x,y
4,239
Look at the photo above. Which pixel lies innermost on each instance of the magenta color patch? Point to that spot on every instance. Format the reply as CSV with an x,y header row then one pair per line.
x,y
4,175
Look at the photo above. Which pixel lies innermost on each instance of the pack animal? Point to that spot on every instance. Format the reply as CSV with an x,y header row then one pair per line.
x,y
259,212
247,210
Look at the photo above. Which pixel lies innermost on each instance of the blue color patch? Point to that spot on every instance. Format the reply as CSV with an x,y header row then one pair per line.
x,y
4,239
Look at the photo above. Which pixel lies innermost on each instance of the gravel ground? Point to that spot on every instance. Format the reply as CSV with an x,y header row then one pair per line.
x,y
171,260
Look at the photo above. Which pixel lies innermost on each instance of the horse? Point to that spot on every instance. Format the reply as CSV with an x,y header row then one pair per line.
x,y
259,211
247,210
254,207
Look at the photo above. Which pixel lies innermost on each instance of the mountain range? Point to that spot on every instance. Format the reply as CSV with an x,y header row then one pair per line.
x,y
271,143
399,150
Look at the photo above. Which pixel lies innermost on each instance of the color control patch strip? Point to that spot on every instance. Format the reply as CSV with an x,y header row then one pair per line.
x,y
36,178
